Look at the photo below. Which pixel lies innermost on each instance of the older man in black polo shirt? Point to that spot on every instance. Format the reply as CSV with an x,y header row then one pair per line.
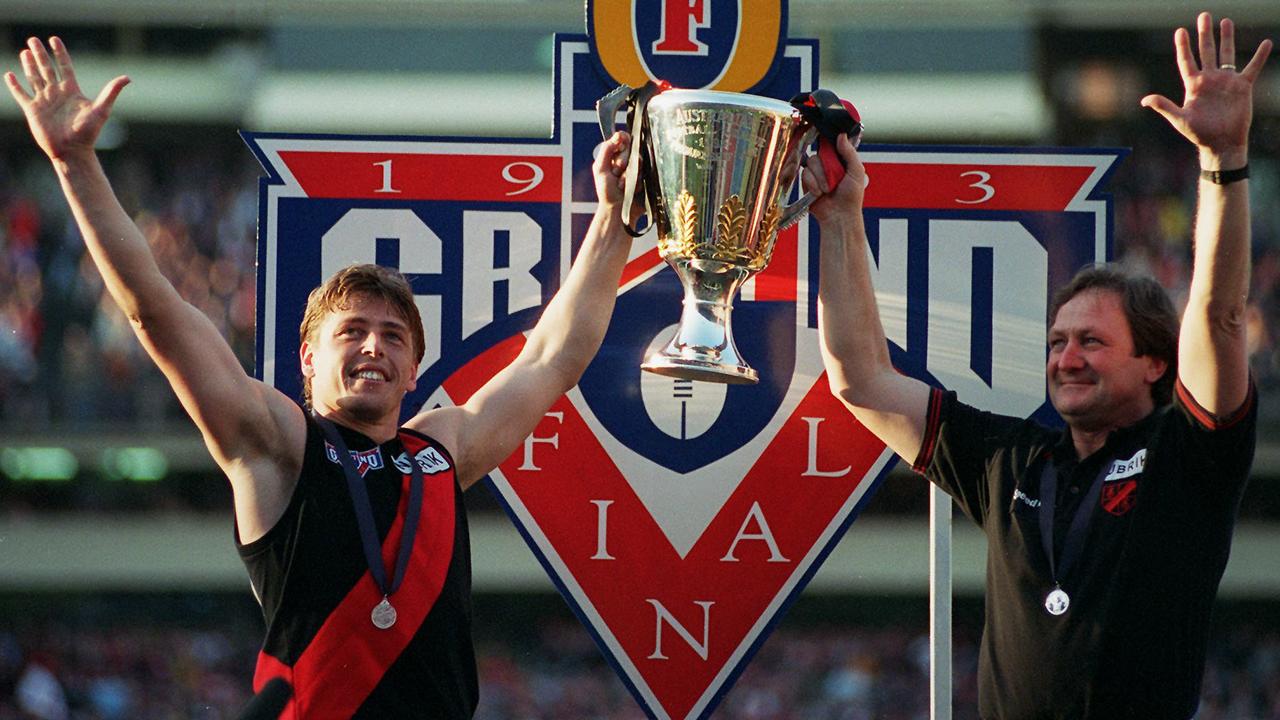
x,y
1107,540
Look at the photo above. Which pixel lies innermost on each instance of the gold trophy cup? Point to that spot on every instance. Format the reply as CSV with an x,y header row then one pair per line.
x,y
712,166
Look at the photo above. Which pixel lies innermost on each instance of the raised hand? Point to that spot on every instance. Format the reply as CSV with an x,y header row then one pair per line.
x,y
847,196
1217,108
609,170
609,167
63,121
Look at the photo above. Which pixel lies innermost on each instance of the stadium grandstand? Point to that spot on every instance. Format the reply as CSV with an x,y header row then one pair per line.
x,y
121,595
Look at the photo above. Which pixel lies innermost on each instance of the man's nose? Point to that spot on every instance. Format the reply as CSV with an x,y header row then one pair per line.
x,y
1071,356
372,344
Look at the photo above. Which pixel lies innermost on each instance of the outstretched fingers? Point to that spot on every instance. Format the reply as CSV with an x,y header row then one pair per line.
x,y
1254,68
18,92
34,78
1208,49
1227,45
43,63
1182,50
63,59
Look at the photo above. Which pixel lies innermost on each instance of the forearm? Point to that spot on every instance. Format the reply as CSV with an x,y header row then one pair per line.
x,y
115,243
1220,273
854,349
241,421
1212,349
574,323
852,336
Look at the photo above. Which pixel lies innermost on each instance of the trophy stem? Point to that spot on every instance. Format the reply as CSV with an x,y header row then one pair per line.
x,y
703,347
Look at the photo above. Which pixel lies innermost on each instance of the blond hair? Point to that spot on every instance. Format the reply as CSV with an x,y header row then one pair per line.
x,y
361,281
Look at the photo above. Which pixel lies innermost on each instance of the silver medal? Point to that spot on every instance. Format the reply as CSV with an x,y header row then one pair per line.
x,y
1057,602
383,615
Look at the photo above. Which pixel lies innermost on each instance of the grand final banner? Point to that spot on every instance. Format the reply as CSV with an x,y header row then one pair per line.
x,y
679,519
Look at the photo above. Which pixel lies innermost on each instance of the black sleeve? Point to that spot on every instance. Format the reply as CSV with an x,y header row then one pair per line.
x,y
957,451
1221,445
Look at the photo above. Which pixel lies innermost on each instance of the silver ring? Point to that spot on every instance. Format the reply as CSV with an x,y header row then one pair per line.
x,y
1227,66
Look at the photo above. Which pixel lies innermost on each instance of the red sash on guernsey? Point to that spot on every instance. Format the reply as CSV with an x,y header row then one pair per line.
x,y
349,656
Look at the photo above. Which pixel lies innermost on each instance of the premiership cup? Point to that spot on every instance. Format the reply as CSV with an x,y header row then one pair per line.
x,y
713,165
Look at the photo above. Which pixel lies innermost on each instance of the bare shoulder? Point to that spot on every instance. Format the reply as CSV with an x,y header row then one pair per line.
x,y
447,426
263,477
444,425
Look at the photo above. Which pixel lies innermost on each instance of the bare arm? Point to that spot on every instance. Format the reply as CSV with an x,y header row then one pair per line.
x,y
854,349
1215,116
493,422
254,433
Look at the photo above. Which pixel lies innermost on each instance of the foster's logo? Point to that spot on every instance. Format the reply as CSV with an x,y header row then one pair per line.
x,y
726,45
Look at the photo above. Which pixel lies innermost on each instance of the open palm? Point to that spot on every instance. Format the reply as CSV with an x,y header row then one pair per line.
x,y
63,121
1218,105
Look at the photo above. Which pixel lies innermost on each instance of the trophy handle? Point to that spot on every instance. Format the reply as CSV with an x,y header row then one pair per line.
x,y
827,115
607,109
791,214
635,179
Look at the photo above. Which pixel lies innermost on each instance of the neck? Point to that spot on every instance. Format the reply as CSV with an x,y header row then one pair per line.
x,y
379,430
1088,442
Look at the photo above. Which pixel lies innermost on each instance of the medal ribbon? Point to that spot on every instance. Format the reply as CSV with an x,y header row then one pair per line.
x,y
1079,523
364,512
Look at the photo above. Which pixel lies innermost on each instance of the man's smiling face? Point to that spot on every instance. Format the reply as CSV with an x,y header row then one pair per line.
x,y
360,362
1096,382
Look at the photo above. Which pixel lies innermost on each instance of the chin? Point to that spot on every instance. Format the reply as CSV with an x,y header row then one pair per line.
x,y
369,408
1073,412
363,406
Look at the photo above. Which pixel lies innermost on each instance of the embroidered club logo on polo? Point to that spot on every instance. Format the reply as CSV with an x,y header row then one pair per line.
x,y
680,519
1118,498
366,460
1120,486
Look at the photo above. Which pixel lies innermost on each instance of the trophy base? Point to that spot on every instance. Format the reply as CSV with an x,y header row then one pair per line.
x,y
701,370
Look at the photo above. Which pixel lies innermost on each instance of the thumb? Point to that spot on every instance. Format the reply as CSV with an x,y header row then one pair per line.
x,y
1163,105
107,98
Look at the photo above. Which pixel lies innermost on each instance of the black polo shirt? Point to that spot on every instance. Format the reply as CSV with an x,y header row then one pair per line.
x,y
1132,642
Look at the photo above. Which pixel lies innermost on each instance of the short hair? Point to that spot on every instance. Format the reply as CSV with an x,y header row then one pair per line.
x,y
365,281
1153,322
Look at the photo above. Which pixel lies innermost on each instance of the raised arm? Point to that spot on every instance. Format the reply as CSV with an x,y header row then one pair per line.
x,y
493,422
854,349
1215,116
254,433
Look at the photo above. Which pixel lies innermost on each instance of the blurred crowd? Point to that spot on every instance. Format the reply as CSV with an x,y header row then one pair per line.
x,y
66,670
1155,190
67,355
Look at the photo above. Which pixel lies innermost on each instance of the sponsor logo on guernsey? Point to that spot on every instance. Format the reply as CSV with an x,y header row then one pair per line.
x,y
1121,469
429,459
1019,495
366,460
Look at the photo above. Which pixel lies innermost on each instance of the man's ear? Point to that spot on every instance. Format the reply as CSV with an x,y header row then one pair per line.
x,y
305,358
1156,369
413,379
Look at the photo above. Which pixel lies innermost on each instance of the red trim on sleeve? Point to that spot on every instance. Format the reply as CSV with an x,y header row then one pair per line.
x,y
348,657
930,440
1209,420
